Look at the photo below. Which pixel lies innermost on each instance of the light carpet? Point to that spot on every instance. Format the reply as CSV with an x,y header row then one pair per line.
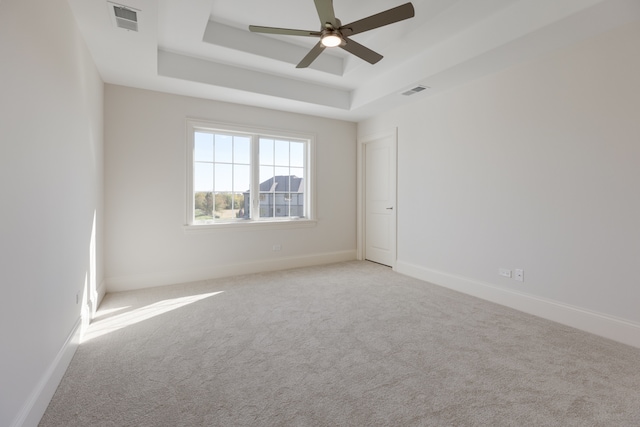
x,y
349,344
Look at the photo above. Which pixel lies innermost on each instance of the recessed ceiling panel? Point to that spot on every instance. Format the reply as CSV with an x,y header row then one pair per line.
x,y
267,47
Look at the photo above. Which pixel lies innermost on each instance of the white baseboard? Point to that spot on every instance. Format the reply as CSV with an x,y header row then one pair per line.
x,y
35,406
141,281
604,325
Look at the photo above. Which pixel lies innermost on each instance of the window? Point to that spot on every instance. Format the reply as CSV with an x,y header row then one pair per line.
x,y
243,175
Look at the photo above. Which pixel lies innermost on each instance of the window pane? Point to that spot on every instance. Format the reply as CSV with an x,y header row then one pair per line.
x,y
223,201
266,151
298,172
296,184
285,184
282,178
282,153
203,206
282,204
266,205
297,154
241,178
203,147
266,178
241,205
241,150
203,177
224,175
224,147
297,204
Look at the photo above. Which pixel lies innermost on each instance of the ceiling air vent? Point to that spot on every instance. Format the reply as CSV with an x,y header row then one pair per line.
x,y
415,90
125,17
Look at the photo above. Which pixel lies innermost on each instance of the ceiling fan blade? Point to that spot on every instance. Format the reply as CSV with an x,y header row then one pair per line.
x,y
360,51
285,31
311,56
326,13
378,20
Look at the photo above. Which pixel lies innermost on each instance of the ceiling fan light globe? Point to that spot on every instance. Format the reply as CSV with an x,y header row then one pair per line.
x,y
331,40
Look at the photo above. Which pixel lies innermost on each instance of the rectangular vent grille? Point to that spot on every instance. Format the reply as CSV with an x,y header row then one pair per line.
x,y
414,90
126,18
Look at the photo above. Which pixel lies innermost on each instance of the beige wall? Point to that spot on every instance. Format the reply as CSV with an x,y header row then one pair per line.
x,y
536,167
145,194
51,99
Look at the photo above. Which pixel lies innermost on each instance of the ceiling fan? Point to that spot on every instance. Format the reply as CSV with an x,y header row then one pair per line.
x,y
332,33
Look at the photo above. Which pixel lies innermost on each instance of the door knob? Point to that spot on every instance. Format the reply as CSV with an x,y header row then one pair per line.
x,y
391,208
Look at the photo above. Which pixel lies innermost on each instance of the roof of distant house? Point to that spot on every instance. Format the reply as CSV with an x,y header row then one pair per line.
x,y
282,184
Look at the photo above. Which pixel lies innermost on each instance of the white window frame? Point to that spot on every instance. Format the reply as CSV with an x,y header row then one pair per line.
x,y
194,125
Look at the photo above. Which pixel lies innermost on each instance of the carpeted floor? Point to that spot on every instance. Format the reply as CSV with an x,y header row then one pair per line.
x,y
350,344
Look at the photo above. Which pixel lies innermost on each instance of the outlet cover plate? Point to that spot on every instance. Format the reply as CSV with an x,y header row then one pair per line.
x,y
519,275
504,272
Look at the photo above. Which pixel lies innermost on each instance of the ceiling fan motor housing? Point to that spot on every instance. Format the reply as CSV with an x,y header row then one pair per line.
x,y
331,38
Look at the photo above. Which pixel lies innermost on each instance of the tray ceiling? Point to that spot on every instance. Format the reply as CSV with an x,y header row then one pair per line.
x,y
203,48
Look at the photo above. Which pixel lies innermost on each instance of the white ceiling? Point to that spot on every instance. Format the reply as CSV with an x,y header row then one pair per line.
x,y
203,48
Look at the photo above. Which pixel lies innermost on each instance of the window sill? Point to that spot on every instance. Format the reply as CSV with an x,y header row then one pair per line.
x,y
249,225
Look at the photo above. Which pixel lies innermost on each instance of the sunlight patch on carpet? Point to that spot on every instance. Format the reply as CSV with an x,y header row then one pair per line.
x,y
108,311
117,322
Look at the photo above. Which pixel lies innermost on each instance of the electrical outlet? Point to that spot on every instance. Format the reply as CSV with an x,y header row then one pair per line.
x,y
276,247
519,275
504,272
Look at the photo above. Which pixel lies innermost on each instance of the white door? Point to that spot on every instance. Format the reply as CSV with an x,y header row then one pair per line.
x,y
380,200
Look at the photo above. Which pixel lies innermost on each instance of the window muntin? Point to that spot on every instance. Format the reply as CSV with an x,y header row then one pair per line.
x,y
228,167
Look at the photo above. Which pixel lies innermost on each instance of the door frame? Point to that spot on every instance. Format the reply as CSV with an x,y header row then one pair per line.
x,y
361,193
